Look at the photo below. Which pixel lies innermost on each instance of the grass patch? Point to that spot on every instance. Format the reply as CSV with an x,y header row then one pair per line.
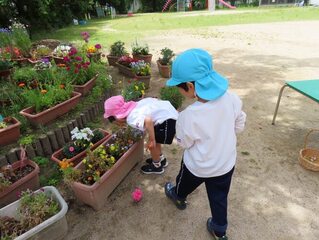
x,y
106,31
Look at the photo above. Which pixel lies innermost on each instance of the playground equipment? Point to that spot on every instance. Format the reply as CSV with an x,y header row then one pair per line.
x,y
226,4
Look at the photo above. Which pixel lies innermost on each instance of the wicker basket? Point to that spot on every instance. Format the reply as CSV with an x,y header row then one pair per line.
x,y
309,157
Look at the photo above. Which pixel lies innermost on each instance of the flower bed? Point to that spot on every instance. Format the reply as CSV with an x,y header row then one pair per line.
x,y
102,170
19,176
75,151
52,113
38,215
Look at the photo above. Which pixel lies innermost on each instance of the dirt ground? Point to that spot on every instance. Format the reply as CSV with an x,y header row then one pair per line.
x,y
272,196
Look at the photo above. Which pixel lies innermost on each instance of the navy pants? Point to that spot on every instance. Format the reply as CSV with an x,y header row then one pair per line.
x,y
217,189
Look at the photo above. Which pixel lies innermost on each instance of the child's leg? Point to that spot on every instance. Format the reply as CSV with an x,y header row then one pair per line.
x,y
217,190
154,166
186,183
156,152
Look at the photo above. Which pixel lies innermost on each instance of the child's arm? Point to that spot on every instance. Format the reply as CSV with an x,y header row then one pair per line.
x,y
240,122
183,137
149,126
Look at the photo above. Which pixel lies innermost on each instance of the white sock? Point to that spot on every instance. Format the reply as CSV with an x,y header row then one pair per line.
x,y
162,157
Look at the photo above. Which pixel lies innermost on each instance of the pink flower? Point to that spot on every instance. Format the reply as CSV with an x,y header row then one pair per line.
x,y
71,149
66,59
137,195
98,46
78,58
76,70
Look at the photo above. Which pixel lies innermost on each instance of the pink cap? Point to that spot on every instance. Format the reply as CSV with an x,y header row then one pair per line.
x,y
116,106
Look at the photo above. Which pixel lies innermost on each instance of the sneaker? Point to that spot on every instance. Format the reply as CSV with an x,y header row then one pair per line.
x,y
164,162
210,229
151,169
170,193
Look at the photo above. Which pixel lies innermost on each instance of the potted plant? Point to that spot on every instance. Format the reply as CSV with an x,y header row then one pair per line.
x,y
117,50
93,52
141,52
41,51
83,139
36,215
172,95
16,177
124,66
60,52
142,71
9,130
81,73
134,91
164,62
93,179
48,102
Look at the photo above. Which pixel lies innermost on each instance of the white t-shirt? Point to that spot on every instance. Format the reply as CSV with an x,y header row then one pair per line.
x,y
158,110
207,132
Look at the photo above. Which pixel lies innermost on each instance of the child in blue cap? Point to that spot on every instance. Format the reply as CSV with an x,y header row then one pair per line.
x,y
207,131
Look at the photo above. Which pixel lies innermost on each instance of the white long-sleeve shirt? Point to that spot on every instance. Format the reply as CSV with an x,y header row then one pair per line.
x,y
207,132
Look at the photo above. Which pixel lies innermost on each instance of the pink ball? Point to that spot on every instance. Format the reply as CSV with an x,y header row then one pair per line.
x,y
137,195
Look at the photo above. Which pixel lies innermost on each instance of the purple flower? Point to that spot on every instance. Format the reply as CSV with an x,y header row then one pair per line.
x,y
98,46
45,60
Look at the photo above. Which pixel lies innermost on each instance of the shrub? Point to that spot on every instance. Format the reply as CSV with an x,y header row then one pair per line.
x,y
140,49
172,95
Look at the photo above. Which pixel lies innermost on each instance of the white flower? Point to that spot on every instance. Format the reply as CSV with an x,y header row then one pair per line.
x,y
75,130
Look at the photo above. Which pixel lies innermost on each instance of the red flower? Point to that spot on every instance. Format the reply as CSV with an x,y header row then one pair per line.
x,y
76,70
78,58
98,46
66,59
68,68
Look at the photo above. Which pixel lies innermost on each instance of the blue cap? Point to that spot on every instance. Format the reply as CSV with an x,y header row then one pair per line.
x,y
195,65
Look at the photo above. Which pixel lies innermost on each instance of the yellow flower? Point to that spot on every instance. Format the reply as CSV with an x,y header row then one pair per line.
x,y
143,92
112,148
136,88
84,161
64,164
91,49
90,166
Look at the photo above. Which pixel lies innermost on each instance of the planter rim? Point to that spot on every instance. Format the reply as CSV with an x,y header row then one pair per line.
x,y
46,223
147,55
24,113
106,174
88,82
107,135
15,123
13,186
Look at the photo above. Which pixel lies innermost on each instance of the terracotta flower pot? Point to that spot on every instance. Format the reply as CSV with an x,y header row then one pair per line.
x,y
58,155
146,58
54,228
125,70
52,113
145,79
96,194
112,60
30,181
86,88
11,133
164,70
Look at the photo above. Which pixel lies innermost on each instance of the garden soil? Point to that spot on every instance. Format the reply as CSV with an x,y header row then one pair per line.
x,y
272,196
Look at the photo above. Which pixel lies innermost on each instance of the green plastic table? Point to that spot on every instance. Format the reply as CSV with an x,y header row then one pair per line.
x,y
308,88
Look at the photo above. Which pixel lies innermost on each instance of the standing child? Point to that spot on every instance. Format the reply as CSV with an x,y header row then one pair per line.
x,y
207,131
157,117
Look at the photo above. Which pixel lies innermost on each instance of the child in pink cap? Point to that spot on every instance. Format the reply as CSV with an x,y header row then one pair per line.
x,y
156,116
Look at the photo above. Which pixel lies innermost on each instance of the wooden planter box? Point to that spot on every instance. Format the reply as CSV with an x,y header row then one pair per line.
x,y
96,194
86,88
145,79
58,155
31,181
11,133
52,113
164,70
112,60
125,70
146,58
54,228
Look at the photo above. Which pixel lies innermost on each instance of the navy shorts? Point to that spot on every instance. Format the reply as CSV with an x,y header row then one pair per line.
x,y
165,132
